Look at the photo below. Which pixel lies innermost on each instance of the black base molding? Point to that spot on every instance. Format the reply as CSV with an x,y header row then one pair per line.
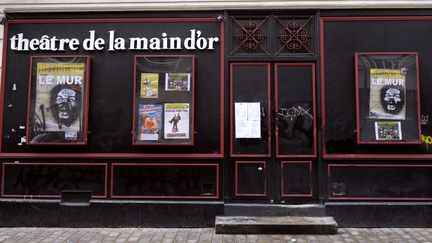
x,y
169,214
383,214
49,213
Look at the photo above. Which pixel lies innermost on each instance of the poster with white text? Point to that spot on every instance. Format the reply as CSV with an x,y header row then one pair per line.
x,y
59,96
387,94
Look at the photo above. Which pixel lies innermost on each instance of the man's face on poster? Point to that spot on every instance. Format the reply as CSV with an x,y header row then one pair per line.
x,y
392,99
67,102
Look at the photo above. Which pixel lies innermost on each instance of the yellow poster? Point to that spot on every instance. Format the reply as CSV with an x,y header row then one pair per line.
x,y
149,85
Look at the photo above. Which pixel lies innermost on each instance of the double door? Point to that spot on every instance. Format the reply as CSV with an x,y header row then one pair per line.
x,y
273,133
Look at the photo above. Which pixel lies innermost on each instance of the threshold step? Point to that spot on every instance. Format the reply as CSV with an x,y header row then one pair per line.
x,y
306,210
275,225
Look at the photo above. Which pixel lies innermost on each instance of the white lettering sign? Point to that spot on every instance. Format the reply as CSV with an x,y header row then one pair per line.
x,y
194,41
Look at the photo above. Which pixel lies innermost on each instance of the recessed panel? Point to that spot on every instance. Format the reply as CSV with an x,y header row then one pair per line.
x,y
296,179
165,181
49,180
380,182
251,178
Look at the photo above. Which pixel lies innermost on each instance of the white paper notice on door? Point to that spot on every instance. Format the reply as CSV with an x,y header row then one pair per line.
x,y
247,119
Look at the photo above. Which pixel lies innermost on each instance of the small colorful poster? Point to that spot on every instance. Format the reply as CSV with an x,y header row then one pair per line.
x,y
149,85
176,124
149,122
388,130
59,96
177,81
387,94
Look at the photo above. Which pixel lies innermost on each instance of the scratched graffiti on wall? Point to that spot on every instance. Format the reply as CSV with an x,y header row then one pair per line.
x,y
426,139
295,123
295,111
424,119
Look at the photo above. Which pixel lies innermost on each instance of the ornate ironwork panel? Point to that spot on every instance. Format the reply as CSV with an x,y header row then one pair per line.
x,y
295,35
250,35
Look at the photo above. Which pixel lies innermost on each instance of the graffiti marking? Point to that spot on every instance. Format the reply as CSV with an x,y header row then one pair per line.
x,y
424,119
427,140
294,112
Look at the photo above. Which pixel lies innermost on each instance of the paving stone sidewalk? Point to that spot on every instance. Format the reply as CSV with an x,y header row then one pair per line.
x,y
198,235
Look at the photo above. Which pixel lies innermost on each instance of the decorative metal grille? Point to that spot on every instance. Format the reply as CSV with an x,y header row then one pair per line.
x,y
250,35
295,36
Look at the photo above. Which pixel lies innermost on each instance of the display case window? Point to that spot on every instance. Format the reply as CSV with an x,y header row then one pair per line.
x,y
388,98
58,100
163,100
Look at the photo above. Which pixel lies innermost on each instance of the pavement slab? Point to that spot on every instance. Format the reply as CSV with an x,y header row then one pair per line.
x,y
203,235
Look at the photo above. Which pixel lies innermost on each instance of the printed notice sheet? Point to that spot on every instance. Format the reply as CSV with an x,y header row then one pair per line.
x,y
247,120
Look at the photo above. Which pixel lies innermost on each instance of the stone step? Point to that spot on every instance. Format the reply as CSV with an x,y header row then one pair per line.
x,y
309,210
275,225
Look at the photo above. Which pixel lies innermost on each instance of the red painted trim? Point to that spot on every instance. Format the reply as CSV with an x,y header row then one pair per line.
x,y
392,143
222,90
2,179
88,83
106,181
115,20
390,52
192,103
418,99
134,99
3,81
312,65
322,86
269,109
250,155
358,98
378,156
237,194
86,109
379,199
276,87
217,181
375,198
113,165
28,100
314,109
377,18
377,165
232,109
107,155
50,164
357,95
111,182
308,195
